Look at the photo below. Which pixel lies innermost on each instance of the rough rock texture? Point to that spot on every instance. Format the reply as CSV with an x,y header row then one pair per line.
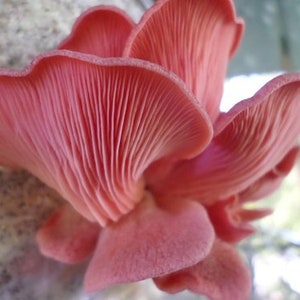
x,y
30,27
24,273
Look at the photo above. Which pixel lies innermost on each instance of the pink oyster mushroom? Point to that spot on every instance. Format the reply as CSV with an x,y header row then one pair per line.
x,y
123,121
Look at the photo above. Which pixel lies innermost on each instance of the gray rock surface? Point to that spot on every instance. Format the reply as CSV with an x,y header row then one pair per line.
x,y
24,273
30,27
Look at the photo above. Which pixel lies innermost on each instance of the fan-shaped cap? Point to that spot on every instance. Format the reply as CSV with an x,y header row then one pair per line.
x,y
222,275
90,127
192,38
101,30
153,240
252,139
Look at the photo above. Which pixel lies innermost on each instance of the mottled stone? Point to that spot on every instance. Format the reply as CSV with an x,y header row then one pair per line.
x,y
30,27
24,273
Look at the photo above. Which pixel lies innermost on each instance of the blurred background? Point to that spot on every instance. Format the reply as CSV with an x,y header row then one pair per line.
x,y
271,45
